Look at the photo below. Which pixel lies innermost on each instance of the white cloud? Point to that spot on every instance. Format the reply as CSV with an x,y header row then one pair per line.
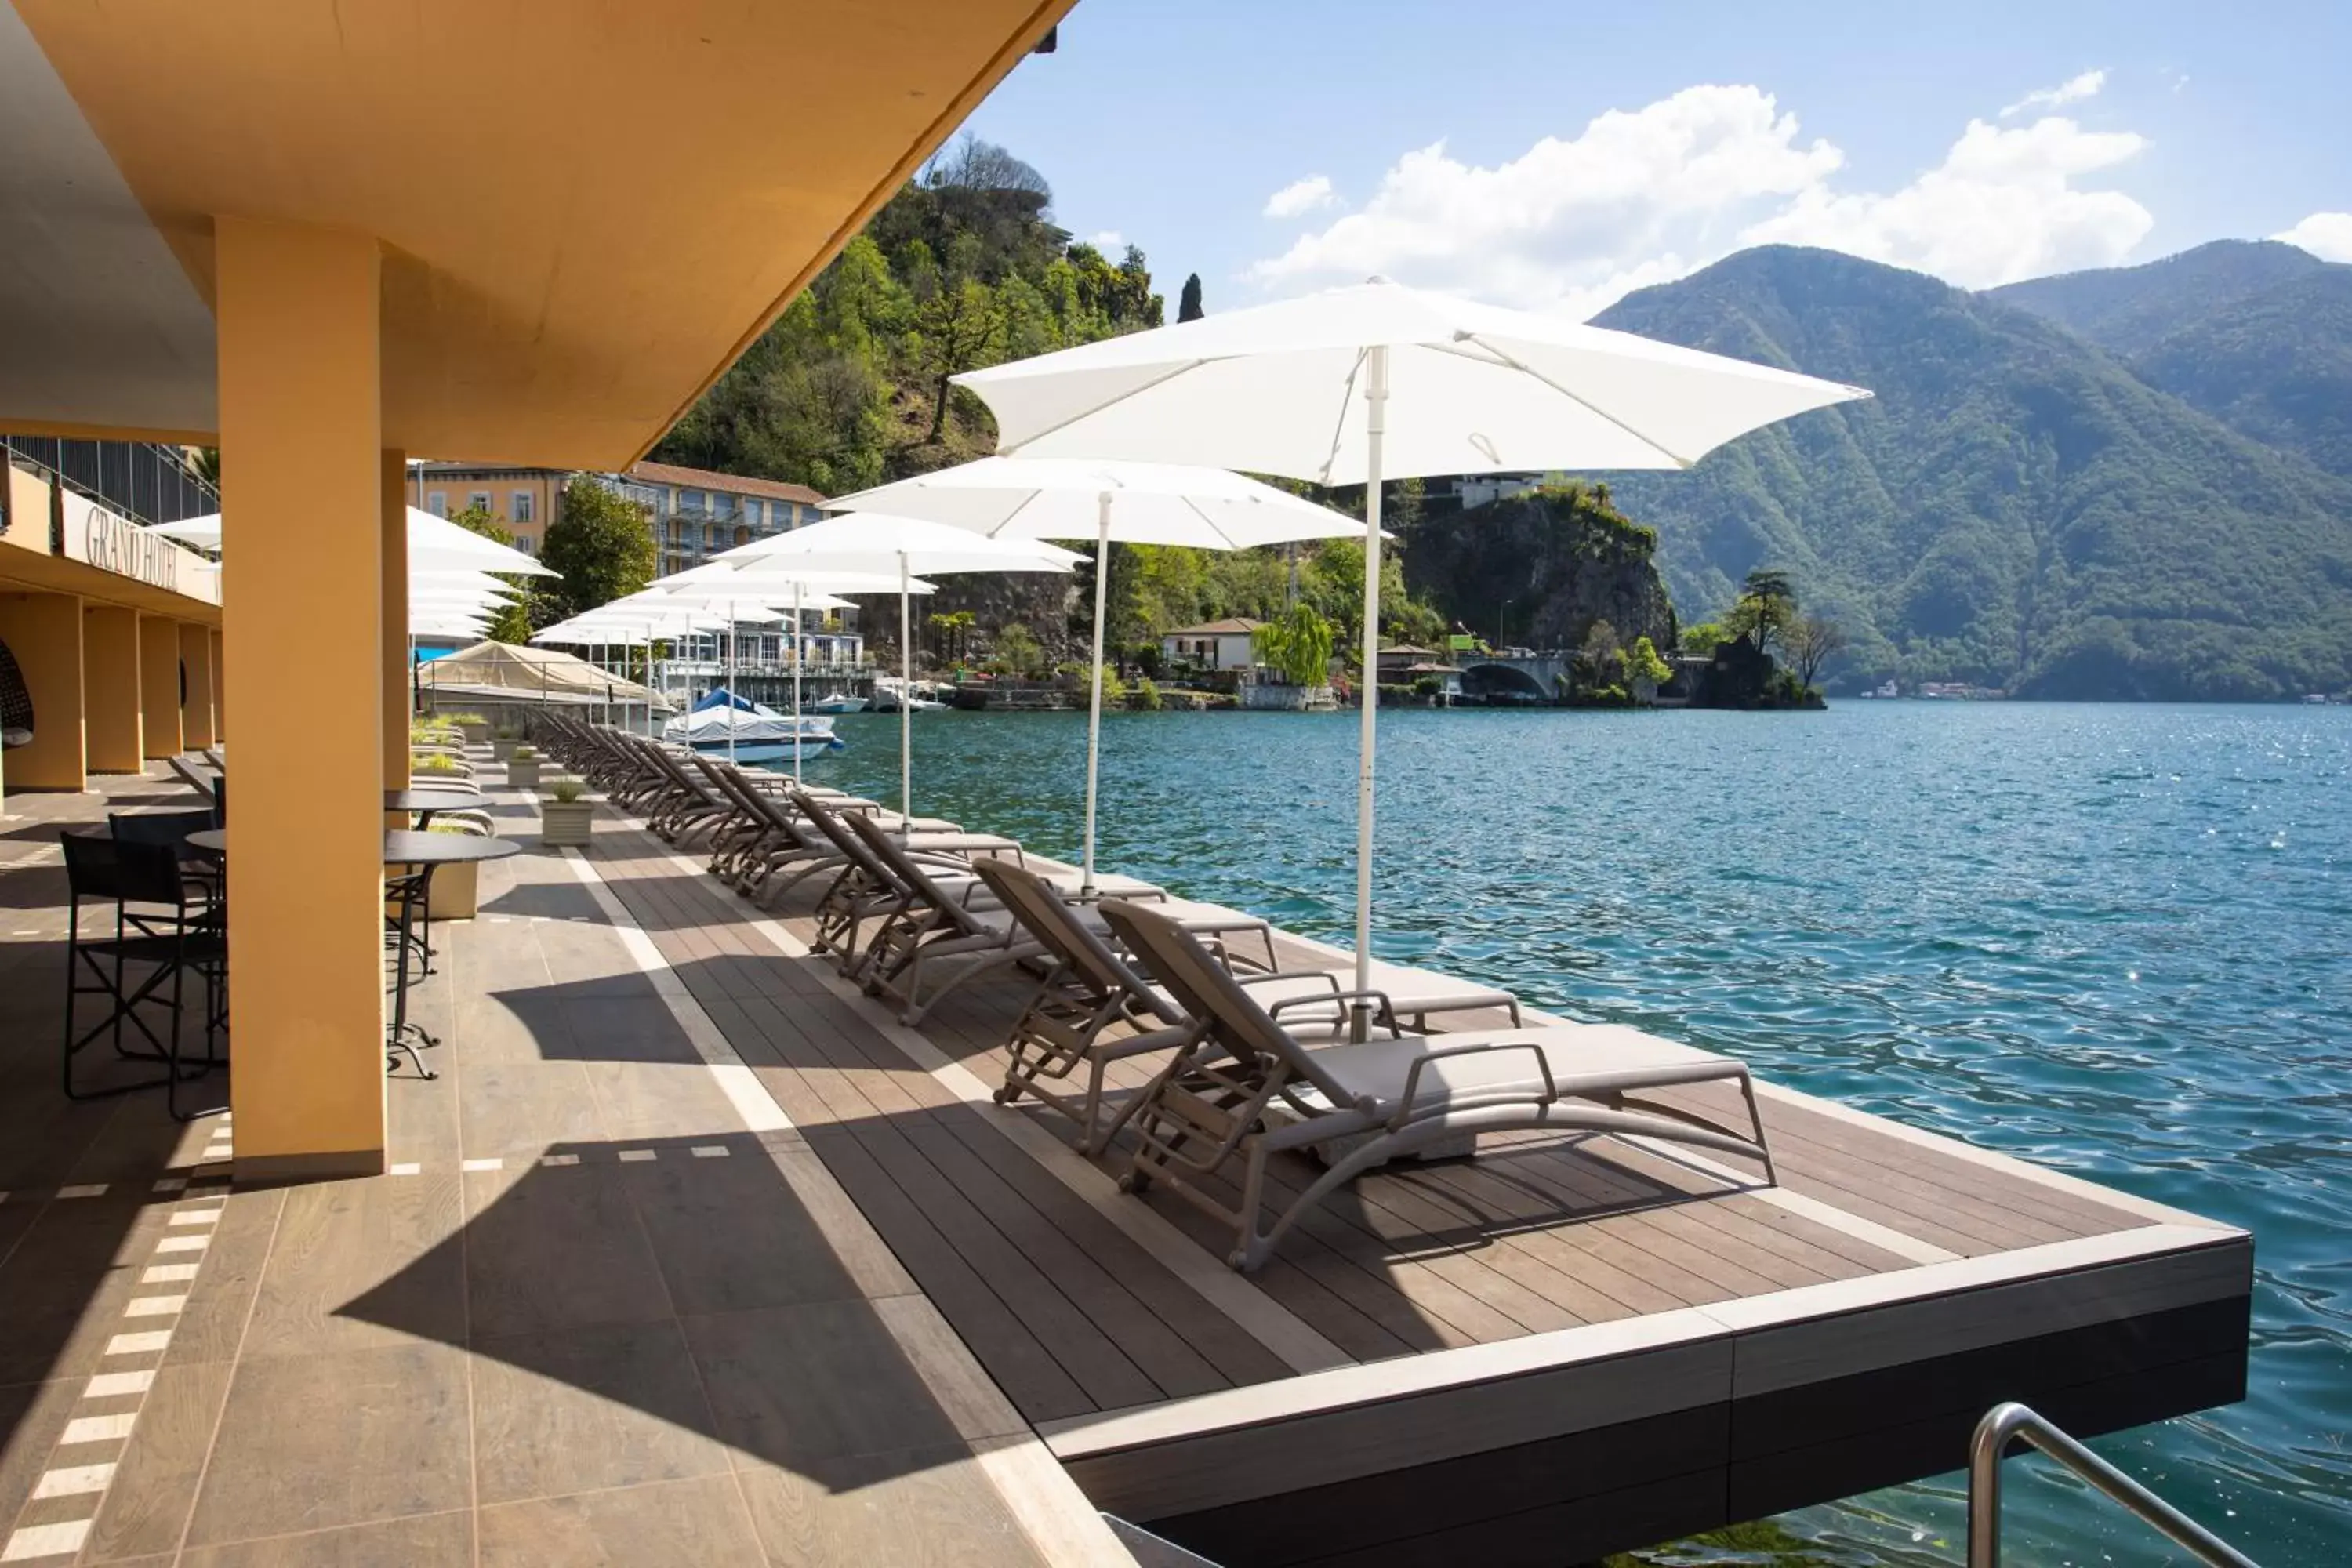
x,y
2002,206
2074,90
2327,236
1301,196
1109,241
1646,196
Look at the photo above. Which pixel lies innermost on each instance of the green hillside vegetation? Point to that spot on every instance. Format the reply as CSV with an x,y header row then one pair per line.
x,y
2128,310
2276,367
964,267
2013,509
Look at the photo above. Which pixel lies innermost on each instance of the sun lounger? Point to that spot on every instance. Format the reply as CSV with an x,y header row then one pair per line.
x,y
1242,1088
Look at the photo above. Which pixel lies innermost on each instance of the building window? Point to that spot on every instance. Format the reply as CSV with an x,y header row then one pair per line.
x,y
478,501
437,502
752,512
526,543
523,508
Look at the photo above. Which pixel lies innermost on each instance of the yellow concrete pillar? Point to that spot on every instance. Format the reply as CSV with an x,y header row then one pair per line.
x,y
111,695
159,685
300,425
196,673
395,567
44,631
220,692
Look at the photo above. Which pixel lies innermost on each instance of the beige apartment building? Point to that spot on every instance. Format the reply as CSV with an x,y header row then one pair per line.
x,y
694,514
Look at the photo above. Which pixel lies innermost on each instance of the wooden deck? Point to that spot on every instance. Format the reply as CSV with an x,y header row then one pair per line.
x,y
1563,1347
915,1317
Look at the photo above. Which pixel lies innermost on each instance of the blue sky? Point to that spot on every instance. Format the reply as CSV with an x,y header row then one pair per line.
x,y
1552,155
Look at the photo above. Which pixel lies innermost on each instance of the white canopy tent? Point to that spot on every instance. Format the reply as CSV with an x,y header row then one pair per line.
x,y
1376,382
879,543
1132,503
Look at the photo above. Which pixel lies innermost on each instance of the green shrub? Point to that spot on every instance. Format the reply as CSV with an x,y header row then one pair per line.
x,y
566,791
1147,695
526,755
434,765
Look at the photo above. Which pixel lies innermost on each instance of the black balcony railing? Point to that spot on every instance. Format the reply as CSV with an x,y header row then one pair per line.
x,y
144,480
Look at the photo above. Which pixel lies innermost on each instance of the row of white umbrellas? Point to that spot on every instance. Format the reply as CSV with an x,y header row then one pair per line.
x,y
451,589
1134,438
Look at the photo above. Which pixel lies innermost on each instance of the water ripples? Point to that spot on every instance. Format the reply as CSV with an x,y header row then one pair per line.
x,y
2112,939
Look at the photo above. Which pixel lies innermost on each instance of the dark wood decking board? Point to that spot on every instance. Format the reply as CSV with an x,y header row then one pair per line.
x,y
1748,1342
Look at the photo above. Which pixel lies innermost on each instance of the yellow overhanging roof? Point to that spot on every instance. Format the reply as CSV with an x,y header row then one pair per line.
x,y
587,211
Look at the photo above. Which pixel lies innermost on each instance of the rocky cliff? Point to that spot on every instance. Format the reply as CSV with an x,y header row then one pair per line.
x,y
1563,558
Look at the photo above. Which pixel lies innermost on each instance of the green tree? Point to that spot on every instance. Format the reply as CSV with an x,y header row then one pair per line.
x,y
1643,663
1703,638
1298,646
602,545
1018,652
1188,303
1766,609
512,623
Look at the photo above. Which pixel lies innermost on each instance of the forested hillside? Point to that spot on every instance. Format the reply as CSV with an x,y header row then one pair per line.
x,y
2015,507
964,267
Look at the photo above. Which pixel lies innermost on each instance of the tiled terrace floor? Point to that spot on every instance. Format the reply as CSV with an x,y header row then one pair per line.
x,y
607,1307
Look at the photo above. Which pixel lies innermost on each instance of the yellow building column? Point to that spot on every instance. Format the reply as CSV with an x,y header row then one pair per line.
x,y
44,631
395,567
220,692
300,425
110,686
196,666
159,685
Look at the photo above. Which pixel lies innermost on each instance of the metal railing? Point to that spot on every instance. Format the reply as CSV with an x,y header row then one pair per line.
x,y
2005,1424
146,481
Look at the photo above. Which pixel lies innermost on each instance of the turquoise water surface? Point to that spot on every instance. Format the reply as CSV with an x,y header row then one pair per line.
x,y
2115,940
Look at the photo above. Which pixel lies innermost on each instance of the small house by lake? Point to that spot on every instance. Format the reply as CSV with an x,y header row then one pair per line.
x,y
1215,645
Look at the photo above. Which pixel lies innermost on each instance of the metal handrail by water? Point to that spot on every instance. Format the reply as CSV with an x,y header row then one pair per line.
x,y
2004,1424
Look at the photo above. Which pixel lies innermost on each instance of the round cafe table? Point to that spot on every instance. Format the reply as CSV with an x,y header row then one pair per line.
x,y
416,854
425,802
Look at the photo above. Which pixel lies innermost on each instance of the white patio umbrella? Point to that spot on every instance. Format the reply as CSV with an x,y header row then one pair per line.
x,y
433,541
1377,382
880,542
1133,503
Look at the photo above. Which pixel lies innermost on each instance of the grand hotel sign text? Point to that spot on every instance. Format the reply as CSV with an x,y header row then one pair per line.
x,y
100,538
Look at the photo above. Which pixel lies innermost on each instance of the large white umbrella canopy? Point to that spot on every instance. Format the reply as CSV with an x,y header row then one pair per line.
x,y
885,542
1130,503
1377,382
433,542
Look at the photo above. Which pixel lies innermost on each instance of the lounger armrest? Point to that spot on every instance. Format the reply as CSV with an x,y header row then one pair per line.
x,y
1404,1110
1387,1011
1325,975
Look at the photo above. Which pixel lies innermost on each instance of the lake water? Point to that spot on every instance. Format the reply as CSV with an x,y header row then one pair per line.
x,y
2115,940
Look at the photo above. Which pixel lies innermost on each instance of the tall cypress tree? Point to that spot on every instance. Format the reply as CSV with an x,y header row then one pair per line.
x,y
1188,306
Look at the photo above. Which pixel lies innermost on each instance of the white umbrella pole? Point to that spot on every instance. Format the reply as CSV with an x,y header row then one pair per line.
x,y
1376,400
730,683
796,683
906,708
1093,709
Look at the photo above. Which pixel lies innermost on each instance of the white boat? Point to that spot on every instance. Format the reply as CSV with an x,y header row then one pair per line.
x,y
722,725
839,702
889,691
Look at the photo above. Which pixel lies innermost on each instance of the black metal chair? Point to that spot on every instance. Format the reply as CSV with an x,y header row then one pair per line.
x,y
171,828
156,927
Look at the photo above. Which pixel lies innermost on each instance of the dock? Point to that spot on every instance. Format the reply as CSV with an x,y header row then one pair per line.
x,y
656,1110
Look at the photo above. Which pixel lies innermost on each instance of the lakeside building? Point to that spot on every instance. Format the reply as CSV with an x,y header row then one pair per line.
x,y
1212,645
694,514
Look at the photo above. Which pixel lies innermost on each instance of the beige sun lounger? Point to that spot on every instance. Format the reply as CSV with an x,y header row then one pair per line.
x,y
1242,1088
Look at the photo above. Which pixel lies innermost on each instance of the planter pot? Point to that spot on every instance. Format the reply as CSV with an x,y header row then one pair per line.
x,y
562,822
523,772
454,888
504,750
475,733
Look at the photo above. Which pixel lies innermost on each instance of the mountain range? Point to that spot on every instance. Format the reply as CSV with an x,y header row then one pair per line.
x,y
2133,483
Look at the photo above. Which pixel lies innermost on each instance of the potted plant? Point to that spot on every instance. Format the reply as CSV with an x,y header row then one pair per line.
x,y
564,814
473,726
457,887
503,741
436,765
523,767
